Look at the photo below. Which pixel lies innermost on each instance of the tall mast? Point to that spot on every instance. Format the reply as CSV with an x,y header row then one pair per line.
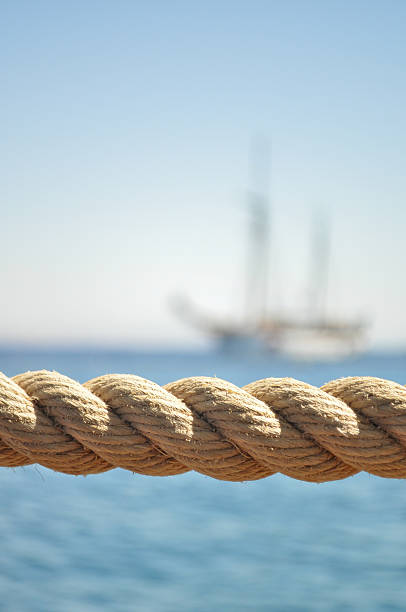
x,y
258,237
320,255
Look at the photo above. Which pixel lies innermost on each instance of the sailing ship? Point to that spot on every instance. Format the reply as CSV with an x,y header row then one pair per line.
x,y
312,336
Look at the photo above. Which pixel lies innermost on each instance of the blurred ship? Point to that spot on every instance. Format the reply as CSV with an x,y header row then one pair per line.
x,y
312,336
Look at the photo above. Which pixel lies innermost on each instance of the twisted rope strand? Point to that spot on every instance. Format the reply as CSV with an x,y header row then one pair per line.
x,y
204,424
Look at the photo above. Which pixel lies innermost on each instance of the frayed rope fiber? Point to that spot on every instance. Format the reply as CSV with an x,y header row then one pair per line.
x,y
204,424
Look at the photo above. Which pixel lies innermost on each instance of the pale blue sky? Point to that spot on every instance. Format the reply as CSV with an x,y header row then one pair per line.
x,y
125,142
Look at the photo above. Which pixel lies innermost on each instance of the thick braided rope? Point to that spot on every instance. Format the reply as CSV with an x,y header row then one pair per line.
x,y
204,424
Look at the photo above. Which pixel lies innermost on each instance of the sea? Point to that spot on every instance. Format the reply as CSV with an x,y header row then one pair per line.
x,y
124,542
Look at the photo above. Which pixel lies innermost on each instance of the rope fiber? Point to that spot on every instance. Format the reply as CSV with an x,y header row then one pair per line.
x,y
204,424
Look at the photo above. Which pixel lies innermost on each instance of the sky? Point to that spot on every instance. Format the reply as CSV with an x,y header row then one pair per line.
x,y
126,132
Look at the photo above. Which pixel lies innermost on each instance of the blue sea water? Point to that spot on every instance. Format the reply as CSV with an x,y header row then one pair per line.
x,y
123,542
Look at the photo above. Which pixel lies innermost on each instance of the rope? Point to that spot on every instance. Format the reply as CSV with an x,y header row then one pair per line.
x,y
204,424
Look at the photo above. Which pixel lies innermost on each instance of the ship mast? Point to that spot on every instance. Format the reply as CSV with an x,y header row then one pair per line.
x,y
257,271
320,252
